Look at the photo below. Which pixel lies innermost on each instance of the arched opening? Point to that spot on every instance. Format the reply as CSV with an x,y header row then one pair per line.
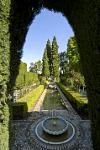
x,y
84,19
45,26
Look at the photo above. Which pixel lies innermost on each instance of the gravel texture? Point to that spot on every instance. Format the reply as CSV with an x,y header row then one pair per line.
x,y
21,133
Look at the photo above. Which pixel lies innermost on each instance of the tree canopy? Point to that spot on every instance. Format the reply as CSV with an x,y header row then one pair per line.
x,y
55,59
51,60
49,55
36,67
45,70
72,68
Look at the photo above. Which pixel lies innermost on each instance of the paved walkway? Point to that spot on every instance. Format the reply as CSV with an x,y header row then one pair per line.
x,y
40,101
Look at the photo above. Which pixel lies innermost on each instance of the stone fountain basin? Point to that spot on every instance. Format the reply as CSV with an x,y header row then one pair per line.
x,y
55,125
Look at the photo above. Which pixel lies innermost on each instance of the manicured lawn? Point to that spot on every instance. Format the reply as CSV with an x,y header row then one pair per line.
x,y
79,102
52,101
32,97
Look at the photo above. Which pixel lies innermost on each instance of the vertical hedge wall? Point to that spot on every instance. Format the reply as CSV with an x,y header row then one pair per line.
x,y
4,72
24,77
21,14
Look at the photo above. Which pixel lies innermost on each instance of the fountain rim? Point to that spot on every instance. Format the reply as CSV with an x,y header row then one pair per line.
x,y
55,143
55,132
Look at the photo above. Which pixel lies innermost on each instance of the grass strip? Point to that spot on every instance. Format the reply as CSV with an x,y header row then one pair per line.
x,y
74,97
32,97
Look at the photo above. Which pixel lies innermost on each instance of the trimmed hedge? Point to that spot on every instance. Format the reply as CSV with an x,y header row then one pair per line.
x,y
24,77
4,130
4,72
31,98
18,110
79,102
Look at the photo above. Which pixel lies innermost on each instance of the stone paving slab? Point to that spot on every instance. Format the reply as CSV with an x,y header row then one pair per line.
x,y
21,128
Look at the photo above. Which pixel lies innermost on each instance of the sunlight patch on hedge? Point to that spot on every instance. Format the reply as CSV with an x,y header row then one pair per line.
x,y
74,96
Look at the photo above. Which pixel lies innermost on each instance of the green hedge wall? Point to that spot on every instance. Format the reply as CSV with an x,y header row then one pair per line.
x,y
4,72
21,14
24,77
78,101
4,130
18,110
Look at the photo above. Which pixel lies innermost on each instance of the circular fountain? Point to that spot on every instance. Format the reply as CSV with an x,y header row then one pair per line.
x,y
54,131
55,125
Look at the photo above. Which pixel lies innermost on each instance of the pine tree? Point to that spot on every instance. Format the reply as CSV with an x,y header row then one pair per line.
x,y
49,54
55,59
45,70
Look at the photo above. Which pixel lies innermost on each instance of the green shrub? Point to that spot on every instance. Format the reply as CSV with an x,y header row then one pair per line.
x,y
75,98
18,110
31,98
4,129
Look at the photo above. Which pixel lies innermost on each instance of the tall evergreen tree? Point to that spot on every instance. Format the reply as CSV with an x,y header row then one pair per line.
x,y
45,70
55,59
49,54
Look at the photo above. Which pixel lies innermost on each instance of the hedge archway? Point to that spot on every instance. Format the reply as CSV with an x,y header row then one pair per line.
x,y
15,19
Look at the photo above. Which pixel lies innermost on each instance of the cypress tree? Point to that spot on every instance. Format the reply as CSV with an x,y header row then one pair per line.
x,y
55,59
49,54
45,70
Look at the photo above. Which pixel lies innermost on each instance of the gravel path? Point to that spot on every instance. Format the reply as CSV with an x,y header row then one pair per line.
x,y
21,133
40,101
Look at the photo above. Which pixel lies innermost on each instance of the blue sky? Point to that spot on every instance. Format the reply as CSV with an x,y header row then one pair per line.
x,y
45,25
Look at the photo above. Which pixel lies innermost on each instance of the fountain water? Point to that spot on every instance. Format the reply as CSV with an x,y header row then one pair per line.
x,y
55,130
54,125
